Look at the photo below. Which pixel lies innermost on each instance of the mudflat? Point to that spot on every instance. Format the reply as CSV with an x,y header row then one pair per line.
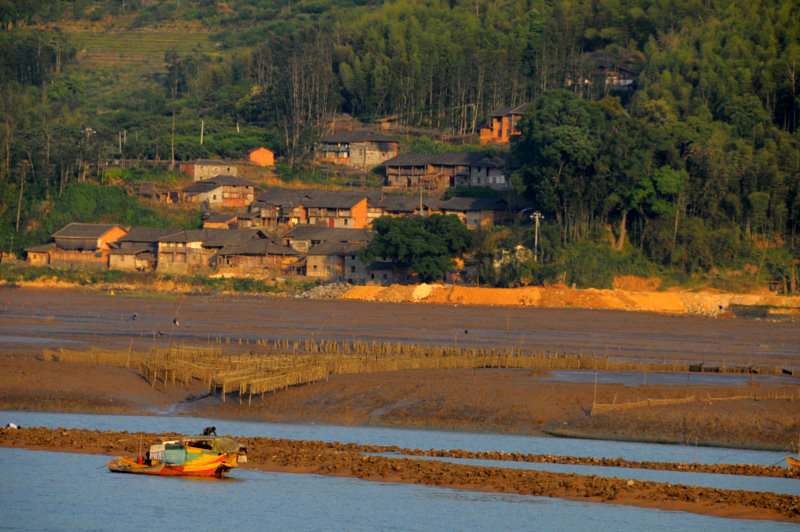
x,y
755,408
749,410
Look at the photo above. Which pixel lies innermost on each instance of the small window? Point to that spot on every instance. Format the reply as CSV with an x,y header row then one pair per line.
x,y
314,267
352,269
345,221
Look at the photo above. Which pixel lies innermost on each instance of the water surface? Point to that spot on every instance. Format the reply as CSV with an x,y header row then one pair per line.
x,y
63,491
404,438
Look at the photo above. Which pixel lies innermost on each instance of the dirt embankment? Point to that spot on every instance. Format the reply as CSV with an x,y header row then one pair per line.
x,y
637,296
630,293
351,460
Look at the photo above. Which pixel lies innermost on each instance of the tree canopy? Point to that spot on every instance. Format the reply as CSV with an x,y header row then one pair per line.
x,y
424,245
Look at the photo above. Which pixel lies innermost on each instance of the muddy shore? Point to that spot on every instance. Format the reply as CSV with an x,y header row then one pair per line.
x,y
352,460
757,412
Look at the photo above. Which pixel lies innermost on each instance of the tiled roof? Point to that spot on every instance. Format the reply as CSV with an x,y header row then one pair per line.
x,y
132,250
399,203
285,197
345,137
213,238
321,233
148,234
335,199
505,111
307,197
211,162
327,249
44,248
473,204
258,246
216,218
481,159
216,182
79,230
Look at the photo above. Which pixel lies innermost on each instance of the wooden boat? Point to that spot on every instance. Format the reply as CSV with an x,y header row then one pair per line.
x,y
192,456
793,462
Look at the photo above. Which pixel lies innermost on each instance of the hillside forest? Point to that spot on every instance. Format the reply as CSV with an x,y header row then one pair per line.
x,y
661,136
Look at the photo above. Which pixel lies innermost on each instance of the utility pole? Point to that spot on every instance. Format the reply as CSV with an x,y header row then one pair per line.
x,y
21,188
536,216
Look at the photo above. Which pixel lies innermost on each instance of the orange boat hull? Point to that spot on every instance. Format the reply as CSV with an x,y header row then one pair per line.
x,y
793,462
216,468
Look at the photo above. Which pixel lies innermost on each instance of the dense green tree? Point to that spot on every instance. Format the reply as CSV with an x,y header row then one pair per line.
x,y
426,246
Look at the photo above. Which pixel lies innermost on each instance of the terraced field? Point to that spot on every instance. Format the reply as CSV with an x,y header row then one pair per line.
x,y
134,53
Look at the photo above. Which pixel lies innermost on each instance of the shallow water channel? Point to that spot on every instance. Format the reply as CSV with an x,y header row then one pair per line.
x,y
410,439
422,439
60,491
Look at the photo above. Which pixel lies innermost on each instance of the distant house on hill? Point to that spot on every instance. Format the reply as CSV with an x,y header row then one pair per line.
x,y
439,171
78,245
223,190
475,212
503,124
282,207
227,220
360,149
340,209
261,156
286,207
203,169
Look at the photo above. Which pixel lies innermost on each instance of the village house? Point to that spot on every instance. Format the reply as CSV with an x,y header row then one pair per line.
x,y
282,208
476,212
233,220
336,261
435,172
339,209
197,249
138,249
504,124
223,191
258,255
213,220
385,273
392,205
203,169
303,237
78,245
360,149
261,156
